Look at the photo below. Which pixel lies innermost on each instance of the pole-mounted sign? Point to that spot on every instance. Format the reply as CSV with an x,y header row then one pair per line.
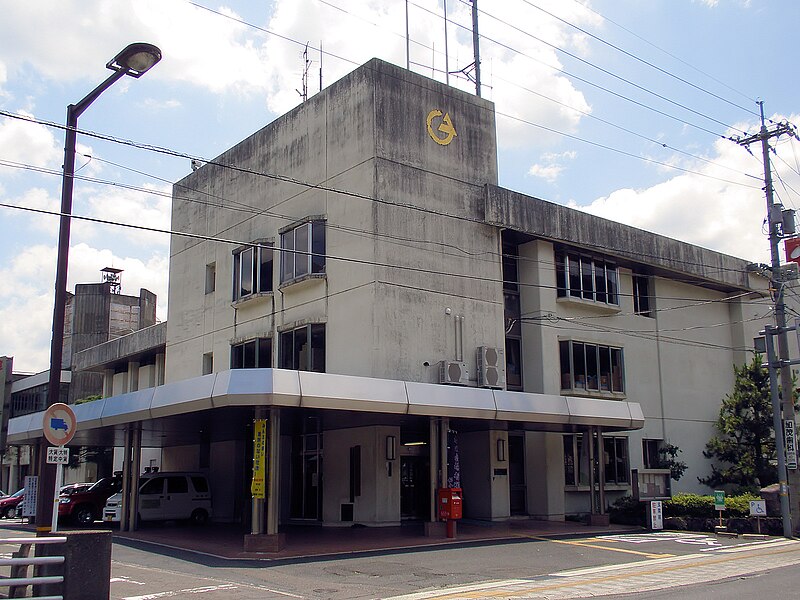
x,y
59,424
791,447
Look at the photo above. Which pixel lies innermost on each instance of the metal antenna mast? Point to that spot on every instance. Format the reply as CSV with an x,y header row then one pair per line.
x,y
306,65
446,60
778,280
476,48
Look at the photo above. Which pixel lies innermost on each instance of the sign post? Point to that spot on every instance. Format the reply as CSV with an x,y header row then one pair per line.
x,y
719,503
758,509
656,515
58,425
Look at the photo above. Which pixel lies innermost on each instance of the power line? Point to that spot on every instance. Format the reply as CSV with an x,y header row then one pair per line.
x,y
291,180
607,72
639,59
660,49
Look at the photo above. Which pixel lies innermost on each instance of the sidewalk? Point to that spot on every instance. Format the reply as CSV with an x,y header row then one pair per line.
x,y
226,541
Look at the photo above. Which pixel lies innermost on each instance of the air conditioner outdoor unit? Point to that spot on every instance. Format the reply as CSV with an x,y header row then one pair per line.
x,y
491,367
453,372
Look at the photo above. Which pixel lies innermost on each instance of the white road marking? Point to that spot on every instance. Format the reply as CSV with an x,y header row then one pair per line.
x,y
215,579
123,579
200,590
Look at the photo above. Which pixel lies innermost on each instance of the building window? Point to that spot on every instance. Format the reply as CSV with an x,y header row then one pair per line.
x,y
591,367
615,451
586,278
303,250
303,349
208,363
211,277
576,460
650,458
642,299
252,271
252,354
512,317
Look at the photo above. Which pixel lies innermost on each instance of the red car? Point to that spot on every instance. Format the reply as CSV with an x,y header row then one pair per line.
x,y
84,508
8,505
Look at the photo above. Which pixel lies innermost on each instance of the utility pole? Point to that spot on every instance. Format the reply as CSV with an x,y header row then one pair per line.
x,y
777,284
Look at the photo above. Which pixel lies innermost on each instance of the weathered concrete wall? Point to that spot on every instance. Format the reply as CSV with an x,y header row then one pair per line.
x,y
144,341
380,321
554,222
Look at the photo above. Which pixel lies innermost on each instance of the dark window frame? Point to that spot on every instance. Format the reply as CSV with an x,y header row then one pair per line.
x,y
259,257
642,295
291,348
303,250
255,353
585,277
590,367
616,453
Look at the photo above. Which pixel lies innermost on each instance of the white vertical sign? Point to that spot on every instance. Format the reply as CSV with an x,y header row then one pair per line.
x,y
31,492
791,446
656,514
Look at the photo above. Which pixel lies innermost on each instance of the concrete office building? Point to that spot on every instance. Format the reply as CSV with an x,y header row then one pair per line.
x,y
405,324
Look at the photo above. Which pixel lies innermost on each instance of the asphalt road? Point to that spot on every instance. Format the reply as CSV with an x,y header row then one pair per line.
x,y
525,568
635,565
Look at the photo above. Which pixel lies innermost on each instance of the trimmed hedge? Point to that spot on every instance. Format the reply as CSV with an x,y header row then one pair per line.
x,y
688,507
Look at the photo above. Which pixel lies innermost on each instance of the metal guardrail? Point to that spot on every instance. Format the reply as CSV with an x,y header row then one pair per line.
x,y
19,581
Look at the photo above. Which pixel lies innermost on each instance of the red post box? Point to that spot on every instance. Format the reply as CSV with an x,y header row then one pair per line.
x,y
449,503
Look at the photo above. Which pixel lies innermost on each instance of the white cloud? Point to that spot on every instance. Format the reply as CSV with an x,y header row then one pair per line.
x,y
131,207
74,39
29,144
26,298
702,209
547,172
552,165
153,104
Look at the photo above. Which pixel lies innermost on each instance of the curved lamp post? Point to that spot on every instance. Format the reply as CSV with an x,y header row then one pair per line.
x,y
135,60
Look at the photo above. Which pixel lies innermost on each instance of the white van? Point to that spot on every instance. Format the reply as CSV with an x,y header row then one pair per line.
x,y
167,496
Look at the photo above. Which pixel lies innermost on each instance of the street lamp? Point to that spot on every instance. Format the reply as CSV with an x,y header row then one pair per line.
x,y
135,60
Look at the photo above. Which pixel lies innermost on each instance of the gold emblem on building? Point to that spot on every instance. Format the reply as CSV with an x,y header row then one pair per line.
x,y
445,127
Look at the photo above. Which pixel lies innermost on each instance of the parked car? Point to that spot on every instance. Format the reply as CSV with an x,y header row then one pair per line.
x,y
167,496
72,488
9,504
85,507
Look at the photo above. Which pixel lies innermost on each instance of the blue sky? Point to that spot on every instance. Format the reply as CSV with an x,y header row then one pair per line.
x,y
580,122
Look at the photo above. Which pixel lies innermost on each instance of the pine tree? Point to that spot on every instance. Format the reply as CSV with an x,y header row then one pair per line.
x,y
745,444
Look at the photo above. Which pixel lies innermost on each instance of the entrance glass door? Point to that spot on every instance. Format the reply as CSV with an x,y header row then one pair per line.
x,y
306,498
414,487
516,474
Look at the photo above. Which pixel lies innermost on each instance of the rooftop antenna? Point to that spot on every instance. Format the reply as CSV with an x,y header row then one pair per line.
x,y
320,65
306,64
476,48
446,61
408,43
111,276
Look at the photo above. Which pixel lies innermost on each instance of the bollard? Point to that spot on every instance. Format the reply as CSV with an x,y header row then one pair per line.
x,y
86,568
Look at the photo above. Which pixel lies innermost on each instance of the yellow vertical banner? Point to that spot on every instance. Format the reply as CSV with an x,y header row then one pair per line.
x,y
258,486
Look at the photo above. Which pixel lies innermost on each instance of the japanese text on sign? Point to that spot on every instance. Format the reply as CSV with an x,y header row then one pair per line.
x,y
791,446
258,486
58,455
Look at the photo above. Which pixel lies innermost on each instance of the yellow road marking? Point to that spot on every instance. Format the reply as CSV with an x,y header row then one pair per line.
x,y
627,575
597,546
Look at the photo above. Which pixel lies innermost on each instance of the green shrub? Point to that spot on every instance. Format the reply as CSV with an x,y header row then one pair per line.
x,y
691,508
